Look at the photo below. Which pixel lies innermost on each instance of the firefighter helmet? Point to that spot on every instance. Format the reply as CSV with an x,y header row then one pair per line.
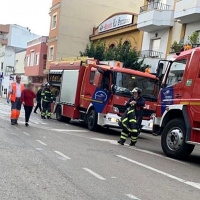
x,y
138,90
46,84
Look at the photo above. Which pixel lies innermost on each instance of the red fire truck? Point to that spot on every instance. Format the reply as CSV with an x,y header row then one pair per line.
x,y
96,92
178,110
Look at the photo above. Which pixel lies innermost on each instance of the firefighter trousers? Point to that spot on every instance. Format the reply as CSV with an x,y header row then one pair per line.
x,y
125,134
46,109
15,110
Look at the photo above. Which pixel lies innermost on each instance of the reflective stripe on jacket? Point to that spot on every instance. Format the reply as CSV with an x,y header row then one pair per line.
x,y
14,90
47,95
128,121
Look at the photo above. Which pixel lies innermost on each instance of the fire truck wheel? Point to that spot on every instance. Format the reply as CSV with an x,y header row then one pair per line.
x,y
92,120
59,116
173,140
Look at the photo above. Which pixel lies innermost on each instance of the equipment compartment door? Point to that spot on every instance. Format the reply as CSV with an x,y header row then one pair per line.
x,y
69,86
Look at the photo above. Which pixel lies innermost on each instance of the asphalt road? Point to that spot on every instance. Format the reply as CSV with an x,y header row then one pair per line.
x,y
56,161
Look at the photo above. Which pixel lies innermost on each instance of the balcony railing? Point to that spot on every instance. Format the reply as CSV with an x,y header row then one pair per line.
x,y
155,6
195,45
151,54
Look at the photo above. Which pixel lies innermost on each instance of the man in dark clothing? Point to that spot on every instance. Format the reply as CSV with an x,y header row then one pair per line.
x,y
47,99
139,103
132,118
38,99
128,123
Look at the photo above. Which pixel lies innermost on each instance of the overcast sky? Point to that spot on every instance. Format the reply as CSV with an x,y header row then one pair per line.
x,y
29,13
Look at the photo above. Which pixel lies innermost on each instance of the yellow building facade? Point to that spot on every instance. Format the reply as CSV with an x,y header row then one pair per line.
x,y
119,25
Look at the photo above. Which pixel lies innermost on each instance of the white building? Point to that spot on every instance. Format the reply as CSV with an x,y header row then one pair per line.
x,y
20,58
166,21
13,39
11,62
15,35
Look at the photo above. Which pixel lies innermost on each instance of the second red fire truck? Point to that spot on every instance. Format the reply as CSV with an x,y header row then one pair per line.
x,y
96,93
178,110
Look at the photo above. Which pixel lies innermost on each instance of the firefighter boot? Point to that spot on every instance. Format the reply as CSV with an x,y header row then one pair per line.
x,y
121,141
132,143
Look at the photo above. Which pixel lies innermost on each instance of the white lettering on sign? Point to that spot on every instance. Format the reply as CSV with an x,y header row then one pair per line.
x,y
115,22
146,106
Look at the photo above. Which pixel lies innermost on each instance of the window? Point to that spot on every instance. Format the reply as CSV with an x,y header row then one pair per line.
x,y
51,53
92,74
155,45
28,61
2,66
36,59
16,64
32,58
54,21
126,82
111,46
176,72
126,43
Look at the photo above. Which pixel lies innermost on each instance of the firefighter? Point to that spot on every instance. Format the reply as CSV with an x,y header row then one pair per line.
x,y
128,123
131,121
139,102
47,99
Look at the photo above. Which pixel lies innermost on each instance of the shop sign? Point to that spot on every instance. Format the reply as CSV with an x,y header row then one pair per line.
x,y
115,22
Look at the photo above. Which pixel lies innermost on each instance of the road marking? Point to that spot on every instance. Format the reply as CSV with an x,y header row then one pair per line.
x,y
94,174
26,133
41,142
193,184
64,130
132,196
39,149
114,142
113,177
63,155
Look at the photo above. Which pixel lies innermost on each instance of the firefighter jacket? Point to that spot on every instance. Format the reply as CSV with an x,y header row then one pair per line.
x,y
47,95
139,107
128,121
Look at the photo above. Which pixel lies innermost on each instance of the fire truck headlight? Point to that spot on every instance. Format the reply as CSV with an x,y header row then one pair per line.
x,y
115,109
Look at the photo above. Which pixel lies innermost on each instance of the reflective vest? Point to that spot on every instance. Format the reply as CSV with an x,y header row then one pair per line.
x,y
14,90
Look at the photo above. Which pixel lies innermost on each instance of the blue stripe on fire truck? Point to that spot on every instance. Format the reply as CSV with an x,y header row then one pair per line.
x,y
167,97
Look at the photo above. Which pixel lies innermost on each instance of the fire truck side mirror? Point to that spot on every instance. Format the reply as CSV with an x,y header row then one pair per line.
x,y
159,70
113,88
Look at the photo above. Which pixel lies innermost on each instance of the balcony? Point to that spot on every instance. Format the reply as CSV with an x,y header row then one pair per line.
x,y
187,11
155,16
151,54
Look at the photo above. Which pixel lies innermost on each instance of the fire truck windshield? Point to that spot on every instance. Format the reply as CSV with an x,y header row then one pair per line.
x,y
126,82
176,72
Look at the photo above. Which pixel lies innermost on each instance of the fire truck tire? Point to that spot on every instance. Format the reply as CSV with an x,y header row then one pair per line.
x,y
67,119
173,140
92,120
59,116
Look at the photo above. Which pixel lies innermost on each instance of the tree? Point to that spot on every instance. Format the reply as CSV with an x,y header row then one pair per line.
x,y
193,38
94,50
122,52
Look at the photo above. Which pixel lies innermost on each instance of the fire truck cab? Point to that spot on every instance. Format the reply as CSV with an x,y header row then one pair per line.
x,y
96,93
178,107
